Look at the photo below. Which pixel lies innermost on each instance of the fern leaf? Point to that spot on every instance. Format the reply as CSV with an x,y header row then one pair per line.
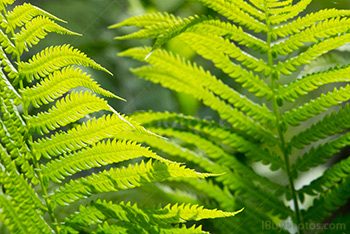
x,y
245,7
100,212
332,177
231,31
10,217
4,82
24,202
147,20
17,186
226,47
292,11
238,120
152,31
312,53
22,14
316,33
58,83
311,82
85,134
136,228
176,30
101,154
182,70
214,152
250,81
332,124
320,155
52,59
316,106
234,181
168,214
233,116
331,200
299,24
234,13
120,179
4,3
6,43
171,147
68,110
222,196
35,30
214,130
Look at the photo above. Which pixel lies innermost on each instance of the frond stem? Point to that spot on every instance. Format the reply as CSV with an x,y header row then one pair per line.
x,y
276,111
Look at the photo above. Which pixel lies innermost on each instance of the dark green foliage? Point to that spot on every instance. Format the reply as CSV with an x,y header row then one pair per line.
x,y
268,51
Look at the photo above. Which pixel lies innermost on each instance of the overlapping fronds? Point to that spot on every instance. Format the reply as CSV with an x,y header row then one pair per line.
x,y
121,179
257,120
101,212
41,144
103,153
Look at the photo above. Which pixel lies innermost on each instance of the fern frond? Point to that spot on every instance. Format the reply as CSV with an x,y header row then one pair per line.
x,y
312,53
245,7
222,196
120,179
211,129
317,106
234,181
233,116
316,33
86,134
147,20
331,178
328,201
177,213
67,110
6,43
214,152
4,3
226,47
320,155
216,26
22,14
17,186
332,124
52,59
299,24
58,83
136,228
242,123
289,11
234,13
10,217
182,70
24,203
101,154
101,211
248,80
34,31
311,82
155,29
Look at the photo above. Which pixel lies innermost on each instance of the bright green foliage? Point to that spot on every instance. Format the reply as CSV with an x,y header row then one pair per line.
x,y
260,122
47,135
